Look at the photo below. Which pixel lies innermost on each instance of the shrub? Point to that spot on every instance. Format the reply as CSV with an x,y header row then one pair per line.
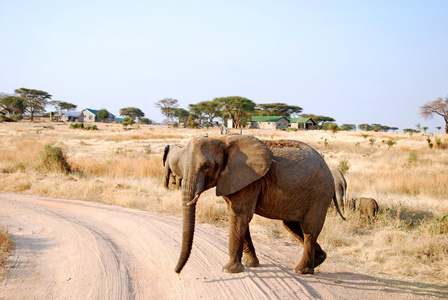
x,y
17,117
343,166
440,225
91,127
54,159
6,246
77,126
390,143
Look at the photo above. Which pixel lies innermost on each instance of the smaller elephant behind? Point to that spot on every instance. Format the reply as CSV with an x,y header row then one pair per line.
x,y
173,165
367,206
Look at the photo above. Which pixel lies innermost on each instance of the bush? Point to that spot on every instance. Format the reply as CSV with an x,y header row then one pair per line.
x,y
343,166
440,225
54,159
5,119
91,127
17,117
77,126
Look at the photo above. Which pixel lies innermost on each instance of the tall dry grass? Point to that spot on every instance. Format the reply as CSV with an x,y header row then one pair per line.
x,y
408,180
6,247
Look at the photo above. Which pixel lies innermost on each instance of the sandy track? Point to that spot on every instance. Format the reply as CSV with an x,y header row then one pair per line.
x,y
80,250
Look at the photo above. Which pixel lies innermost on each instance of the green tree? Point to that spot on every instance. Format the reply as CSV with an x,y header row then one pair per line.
x,y
132,112
210,110
35,100
167,106
103,114
13,104
365,127
279,109
394,129
436,107
196,113
128,121
348,127
181,115
62,105
236,108
145,121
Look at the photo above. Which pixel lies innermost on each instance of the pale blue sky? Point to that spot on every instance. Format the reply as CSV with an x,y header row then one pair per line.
x,y
359,61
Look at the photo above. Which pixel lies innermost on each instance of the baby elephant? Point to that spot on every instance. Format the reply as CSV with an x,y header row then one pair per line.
x,y
367,206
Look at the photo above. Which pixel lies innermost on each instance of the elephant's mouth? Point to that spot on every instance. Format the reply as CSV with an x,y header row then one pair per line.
x,y
195,199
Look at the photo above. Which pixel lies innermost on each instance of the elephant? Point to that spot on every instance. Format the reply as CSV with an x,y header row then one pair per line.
x,y
367,206
340,187
286,180
173,165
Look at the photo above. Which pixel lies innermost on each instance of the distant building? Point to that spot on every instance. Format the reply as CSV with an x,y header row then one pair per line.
x,y
268,122
303,123
69,116
91,115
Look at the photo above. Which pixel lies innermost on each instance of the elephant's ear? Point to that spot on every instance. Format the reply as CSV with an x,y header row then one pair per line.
x,y
248,159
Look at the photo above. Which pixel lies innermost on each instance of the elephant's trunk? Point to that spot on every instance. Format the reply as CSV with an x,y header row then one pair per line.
x,y
189,198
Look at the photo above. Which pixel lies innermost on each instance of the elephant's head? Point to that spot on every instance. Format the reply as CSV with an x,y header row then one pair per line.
x,y
229,163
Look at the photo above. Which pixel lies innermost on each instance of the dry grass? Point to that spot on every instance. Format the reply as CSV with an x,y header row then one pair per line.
x,y
6,247
409,240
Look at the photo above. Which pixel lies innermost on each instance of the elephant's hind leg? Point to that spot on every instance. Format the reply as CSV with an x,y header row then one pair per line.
x,y
249,258
313,255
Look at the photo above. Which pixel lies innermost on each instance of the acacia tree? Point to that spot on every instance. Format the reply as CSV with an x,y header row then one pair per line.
x,y
103,114
181,115
196,112
167,106
279,109
236,108
132,112
438,107
13,104
210,110
35,100
62,105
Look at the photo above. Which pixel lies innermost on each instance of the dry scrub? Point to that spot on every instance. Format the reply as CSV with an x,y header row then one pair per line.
x,y
6,247
409,180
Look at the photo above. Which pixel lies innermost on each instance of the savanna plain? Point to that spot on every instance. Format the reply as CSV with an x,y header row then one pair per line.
x,y
408,241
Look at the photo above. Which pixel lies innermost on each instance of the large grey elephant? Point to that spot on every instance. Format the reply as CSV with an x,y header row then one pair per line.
x,y
367,206
340,187
173,165
286,180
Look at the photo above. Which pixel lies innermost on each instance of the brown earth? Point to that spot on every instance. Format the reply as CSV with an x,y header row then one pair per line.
x,y
69,249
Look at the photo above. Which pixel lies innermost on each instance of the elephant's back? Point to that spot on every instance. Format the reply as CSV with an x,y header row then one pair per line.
x,y
297,168
298,179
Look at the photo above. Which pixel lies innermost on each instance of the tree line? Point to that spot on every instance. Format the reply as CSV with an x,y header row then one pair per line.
x,y
236,108
34,101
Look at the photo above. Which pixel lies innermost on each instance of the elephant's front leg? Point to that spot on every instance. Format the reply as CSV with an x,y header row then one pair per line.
x,y
241,210
249,258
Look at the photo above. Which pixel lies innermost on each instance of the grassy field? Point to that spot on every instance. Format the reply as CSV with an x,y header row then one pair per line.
x,y
409,180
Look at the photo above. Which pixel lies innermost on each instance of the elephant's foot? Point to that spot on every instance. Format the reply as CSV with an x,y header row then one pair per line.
x,y
250,261
233,268
304,270
319,257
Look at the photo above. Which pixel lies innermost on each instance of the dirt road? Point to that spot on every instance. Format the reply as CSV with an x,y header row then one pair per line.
x,y
80,250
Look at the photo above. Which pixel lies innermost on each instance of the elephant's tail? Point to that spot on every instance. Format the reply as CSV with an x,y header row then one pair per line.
x,y
337,206
165,153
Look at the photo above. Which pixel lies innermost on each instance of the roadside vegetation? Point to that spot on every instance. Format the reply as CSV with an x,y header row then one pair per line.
x,y
408,240
6,247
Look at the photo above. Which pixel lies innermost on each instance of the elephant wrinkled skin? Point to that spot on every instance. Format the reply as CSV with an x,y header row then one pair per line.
x,y
286,180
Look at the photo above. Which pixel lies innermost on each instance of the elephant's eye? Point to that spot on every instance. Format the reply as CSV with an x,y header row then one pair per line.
x,y
207,166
